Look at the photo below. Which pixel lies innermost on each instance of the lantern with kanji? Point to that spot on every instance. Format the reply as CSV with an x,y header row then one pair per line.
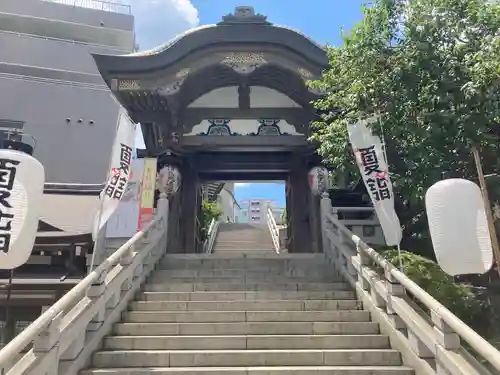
x,y
169,180
319,180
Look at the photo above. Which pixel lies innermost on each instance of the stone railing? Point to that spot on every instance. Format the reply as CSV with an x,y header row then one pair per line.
x,y
273,229
368,229
211,236
64,336
430,341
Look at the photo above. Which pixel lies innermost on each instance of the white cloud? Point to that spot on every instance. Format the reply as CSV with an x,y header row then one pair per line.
x,y
158,21
241,184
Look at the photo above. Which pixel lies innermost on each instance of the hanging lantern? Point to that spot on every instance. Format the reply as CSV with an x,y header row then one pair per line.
x,y
458,227
21,189
169,180
319,180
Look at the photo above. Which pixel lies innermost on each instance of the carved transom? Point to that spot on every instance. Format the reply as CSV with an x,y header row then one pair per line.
x,y
269,127
219,127
244,62
304,73
129,84
174,86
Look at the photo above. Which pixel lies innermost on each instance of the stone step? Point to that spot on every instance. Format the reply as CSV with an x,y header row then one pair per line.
x,y
240,286
247,328
261,249
245,316
293,272
275,370
255,305
239,245
227,358
290,256
249,296
246,342
254,259
242,279
243,242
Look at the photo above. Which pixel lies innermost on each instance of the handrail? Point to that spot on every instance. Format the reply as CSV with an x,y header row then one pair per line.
x,y
273,229
211,235
72,298
360,259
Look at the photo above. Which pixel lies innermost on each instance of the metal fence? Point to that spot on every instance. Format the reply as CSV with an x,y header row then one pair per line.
x,y
96,4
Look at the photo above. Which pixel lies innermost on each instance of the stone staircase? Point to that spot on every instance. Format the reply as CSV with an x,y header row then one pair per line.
x,y
243,238
246,313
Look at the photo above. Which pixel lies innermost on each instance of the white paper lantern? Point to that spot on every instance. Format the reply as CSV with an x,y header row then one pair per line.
x,y
319,180
21,190
458,227
169,180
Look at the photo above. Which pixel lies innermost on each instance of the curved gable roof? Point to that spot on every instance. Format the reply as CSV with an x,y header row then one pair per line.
x,y
244,27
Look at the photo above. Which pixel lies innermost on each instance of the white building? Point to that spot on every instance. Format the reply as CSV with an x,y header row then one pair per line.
x,y
228,204
255,210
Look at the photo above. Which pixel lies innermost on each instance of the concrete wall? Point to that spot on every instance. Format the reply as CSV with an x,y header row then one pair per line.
x,y
71,152
54,87
52,20
227,204
53,54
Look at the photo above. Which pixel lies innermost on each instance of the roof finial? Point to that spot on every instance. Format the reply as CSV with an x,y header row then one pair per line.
x,y
244,14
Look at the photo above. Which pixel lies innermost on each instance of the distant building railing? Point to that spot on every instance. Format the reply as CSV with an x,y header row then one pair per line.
x,y
106,6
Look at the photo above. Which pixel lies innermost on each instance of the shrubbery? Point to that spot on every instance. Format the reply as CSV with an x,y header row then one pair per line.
x,y
459,298
209,211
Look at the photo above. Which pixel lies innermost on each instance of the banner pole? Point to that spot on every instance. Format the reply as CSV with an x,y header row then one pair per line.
x,y
487,206
97,234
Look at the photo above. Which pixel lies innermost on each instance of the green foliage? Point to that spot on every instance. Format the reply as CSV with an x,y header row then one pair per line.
x,y
431,70
459,298
284,217
209,211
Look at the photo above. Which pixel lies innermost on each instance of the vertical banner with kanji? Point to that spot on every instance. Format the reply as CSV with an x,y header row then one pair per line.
x,y
374,170
147,193
123,222
119,173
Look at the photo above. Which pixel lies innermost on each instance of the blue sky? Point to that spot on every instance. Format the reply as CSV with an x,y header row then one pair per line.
x,y
157,21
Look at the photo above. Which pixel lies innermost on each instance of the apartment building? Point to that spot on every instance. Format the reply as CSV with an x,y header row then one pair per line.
x,y
255,210
54,103
50,87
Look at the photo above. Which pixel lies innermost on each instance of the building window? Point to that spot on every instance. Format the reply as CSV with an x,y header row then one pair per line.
x,y
12,136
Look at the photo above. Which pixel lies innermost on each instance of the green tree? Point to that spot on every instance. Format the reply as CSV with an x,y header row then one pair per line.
x,y
430,69
209,211
284,217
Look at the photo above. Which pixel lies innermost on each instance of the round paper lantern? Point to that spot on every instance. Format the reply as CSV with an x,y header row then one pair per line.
x,y
319,180
458,227
21,191
169,180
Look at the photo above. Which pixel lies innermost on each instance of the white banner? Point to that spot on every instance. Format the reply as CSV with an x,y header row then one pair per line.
x,y
374,170
119,173
123,222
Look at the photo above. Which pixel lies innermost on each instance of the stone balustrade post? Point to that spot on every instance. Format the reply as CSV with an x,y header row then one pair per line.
x,y
444,334
364,262
95,291
325,209
48,339
125,260
394,289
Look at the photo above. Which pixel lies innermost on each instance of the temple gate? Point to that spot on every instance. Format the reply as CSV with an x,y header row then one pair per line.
x,y
227,102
